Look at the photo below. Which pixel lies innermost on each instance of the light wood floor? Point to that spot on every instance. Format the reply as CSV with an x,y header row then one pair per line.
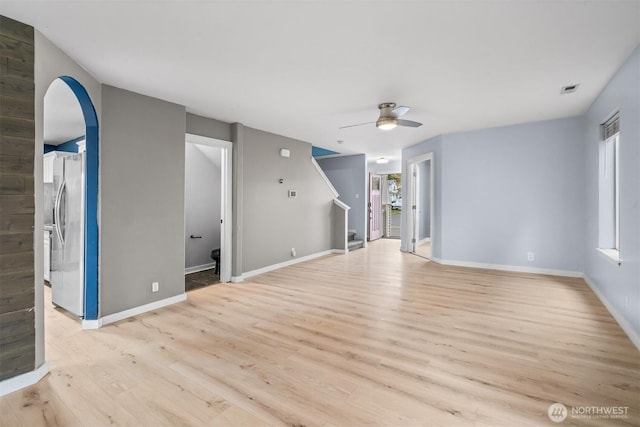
x,y
374,337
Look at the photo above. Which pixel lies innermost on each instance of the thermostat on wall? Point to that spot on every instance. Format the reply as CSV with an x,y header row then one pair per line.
x,y
293,194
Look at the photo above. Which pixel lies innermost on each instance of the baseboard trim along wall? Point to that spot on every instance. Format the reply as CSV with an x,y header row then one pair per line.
x,y
115,317
272,267
198,268
624,324
514,268
24,380
425,240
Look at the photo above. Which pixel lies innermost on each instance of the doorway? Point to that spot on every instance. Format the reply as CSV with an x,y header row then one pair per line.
x,y
208,221
70,189
421,204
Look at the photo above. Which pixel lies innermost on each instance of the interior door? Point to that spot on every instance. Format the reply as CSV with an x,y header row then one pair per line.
x,y
375,217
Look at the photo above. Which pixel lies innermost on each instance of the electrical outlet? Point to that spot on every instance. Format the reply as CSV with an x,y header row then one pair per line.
x,y
531,256
293,251
155,287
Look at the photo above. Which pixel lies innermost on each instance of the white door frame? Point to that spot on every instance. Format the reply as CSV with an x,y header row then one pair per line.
x,y
413,185
226,178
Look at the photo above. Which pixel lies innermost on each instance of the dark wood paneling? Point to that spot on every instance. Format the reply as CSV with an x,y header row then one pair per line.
x,y
12,48
19,89
12,146
19,300
16,223
17,206
17,242
22,204
16,30
16,184
16,165
17,68
16,107
18,128
19,263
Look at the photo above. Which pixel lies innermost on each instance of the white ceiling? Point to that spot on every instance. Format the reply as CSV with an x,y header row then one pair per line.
x,y
304,68
63,119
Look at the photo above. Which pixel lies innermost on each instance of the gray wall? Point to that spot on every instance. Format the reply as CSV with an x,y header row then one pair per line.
x,y
348,174
619,286
511,190
433,145
142,200
271,222
202,203
204,126
49,64
424,204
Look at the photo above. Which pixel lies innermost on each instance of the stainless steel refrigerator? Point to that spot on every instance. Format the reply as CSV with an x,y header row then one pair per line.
x,y
67,242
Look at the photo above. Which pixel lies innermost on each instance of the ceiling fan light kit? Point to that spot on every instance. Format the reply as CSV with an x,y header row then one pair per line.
x,y
387,123
388,119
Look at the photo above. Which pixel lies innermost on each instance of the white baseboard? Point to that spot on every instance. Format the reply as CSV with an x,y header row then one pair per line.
x,y
425,240
91,324
236,279
24,380
272,267
115,317
622,321
514,268
198,268
339,251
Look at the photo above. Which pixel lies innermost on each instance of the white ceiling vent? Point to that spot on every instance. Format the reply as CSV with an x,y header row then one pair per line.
x,y
569,89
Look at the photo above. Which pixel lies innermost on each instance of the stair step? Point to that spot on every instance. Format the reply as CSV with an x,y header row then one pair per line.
x,y
355,244
351,235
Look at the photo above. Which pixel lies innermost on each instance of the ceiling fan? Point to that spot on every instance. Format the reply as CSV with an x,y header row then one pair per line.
x,y
389,118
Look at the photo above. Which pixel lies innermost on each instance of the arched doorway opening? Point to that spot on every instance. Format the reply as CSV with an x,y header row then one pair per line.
x,y
71,126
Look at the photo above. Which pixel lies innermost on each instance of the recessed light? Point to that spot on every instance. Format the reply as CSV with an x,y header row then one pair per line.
x,y
569,89
382,160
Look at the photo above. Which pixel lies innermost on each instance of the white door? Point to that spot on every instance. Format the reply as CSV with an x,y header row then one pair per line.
x,y
375,206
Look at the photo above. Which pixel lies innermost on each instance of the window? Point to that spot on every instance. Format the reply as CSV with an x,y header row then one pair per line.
x,y
609,194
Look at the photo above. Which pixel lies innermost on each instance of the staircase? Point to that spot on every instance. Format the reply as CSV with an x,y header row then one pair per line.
x,y
352,243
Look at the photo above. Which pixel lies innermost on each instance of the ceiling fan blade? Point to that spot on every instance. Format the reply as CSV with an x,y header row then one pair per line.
x,y
400,111
409,123
359,124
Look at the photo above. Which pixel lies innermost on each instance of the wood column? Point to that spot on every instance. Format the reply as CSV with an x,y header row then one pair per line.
x,y
17,206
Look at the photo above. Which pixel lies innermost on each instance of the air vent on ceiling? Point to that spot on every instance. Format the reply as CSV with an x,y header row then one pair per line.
x,y
569,89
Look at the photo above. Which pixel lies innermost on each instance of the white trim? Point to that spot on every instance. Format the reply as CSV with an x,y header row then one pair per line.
x,y
342,204
91,324
324,176
236,279
425,240
622,321
611,255
197,268
115,317
514,268
24,380
272,267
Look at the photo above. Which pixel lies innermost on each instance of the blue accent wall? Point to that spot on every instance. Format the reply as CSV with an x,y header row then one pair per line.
x,y
318,152
91,198
70,146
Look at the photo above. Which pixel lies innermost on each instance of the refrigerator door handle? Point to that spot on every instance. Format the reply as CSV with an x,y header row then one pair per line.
x,y
56,211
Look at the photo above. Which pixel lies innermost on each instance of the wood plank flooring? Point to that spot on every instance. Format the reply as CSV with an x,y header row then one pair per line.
x,y
374,337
